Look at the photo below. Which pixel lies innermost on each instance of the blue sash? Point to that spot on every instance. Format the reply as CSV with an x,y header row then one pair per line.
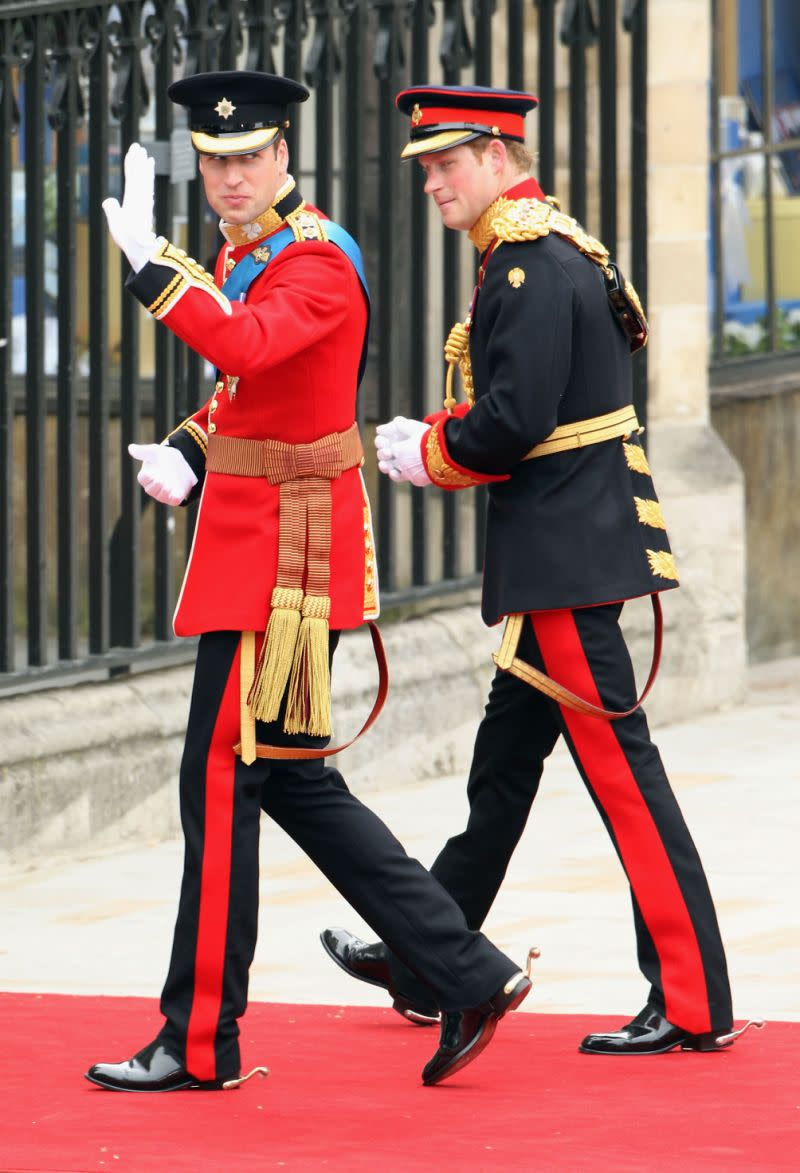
x,y
238,282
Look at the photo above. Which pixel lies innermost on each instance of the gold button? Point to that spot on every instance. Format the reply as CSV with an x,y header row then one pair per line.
x,y
213,405
212,428
219,386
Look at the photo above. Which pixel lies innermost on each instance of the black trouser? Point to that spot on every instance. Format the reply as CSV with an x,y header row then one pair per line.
x,y
679,946
221,800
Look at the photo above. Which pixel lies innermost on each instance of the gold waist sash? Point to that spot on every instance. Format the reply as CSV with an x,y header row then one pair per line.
x,y
294,653
327,457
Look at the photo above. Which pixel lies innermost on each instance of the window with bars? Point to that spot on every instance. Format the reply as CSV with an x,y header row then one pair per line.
x,y
755,164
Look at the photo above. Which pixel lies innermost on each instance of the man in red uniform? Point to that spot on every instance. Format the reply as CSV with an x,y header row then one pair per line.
x,y
574,528
283,546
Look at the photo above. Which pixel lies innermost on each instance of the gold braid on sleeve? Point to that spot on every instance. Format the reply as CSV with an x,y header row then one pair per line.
x,y
439,468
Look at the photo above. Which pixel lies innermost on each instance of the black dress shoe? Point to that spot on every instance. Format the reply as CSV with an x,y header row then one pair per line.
x,y
465,1033
651,1034
370,963
153,1069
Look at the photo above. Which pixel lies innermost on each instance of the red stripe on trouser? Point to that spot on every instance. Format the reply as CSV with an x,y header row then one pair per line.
x,y
644,856
212,926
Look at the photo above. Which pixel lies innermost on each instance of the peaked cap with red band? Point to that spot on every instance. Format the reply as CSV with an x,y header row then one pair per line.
x,y
447,116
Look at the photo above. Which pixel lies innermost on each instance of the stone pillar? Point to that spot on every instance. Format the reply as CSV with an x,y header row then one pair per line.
x,y
698,481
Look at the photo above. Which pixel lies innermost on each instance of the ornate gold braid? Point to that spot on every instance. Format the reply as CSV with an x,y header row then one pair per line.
x,y
529,219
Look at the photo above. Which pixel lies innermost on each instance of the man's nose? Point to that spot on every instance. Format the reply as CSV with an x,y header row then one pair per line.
x,y
432,183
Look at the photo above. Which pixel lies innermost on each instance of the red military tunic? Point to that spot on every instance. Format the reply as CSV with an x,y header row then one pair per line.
x,y
291,356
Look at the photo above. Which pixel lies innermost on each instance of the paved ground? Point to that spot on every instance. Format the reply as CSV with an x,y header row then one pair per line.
x,y
103,923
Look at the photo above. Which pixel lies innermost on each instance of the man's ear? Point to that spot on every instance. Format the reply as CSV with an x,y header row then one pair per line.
x,y
498,155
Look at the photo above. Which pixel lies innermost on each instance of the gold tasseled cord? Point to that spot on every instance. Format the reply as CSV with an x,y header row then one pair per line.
x,y
308,707
277,654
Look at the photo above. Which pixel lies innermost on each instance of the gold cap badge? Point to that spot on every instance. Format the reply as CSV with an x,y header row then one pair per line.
x,y
224,108
416,115
516,277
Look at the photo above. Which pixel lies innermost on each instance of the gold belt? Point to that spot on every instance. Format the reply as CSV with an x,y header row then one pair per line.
x,y
584,432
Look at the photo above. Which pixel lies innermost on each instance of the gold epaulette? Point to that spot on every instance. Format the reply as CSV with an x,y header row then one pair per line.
x,y
530,219
306,225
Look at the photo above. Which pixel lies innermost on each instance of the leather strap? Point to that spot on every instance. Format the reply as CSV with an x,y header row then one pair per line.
x,y
247,671
584,432
507,660
295,752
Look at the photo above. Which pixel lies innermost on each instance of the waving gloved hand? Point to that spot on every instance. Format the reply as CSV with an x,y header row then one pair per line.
x,y
131,222
398,447
165,474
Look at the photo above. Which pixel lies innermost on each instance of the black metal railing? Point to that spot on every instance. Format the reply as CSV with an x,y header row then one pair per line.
x,y
89,569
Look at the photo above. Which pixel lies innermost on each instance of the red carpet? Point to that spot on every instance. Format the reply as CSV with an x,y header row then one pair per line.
x,y
344,1094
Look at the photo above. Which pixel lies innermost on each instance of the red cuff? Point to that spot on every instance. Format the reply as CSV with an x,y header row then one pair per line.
x,y
442,469
458,412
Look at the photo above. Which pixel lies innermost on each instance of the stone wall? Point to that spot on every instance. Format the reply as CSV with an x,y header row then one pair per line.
x,y
698,481
760,422
94,767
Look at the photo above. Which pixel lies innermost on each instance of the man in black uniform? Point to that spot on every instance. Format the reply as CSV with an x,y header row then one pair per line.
x,y
574,528
294,319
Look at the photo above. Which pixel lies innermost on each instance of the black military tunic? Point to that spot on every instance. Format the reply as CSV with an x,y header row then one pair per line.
x,y
574,528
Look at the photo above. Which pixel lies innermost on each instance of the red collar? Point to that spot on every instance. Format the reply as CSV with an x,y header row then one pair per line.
x,y
526,190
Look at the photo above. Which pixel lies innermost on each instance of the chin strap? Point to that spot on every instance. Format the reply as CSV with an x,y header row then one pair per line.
x,y
262,1071
726,1040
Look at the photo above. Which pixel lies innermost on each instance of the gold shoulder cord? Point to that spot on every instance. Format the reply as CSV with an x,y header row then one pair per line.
x,y
456,352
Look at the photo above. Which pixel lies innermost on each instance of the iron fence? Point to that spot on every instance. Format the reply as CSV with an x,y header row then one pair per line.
x,y
88,568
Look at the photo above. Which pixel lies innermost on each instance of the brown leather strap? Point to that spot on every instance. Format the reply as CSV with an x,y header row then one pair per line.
x,y
507,660
296,751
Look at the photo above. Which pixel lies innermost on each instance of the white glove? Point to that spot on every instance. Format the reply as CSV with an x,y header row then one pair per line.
x,y
131,224
165,473
387,434
398,445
